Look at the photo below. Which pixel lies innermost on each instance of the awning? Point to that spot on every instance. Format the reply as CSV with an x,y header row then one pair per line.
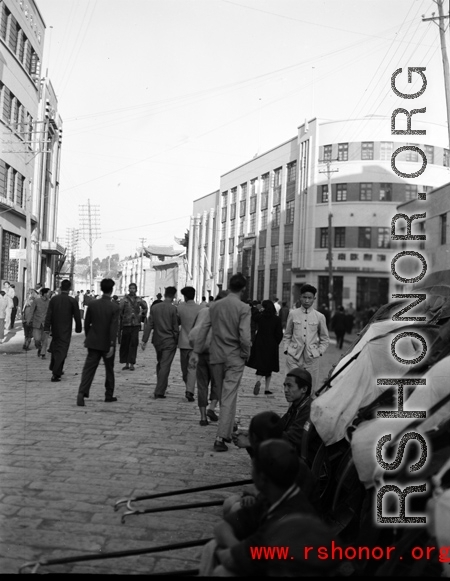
x,y
48,247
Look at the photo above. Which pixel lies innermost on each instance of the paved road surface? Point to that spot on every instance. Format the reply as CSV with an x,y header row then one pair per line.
x,y
62,467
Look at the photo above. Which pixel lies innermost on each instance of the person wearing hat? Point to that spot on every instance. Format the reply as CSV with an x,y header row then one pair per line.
x,y
306,338
275,467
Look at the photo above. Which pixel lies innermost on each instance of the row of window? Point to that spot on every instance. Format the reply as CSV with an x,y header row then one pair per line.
x,y
13,113
264,214
370,192
12,184
273,279
355,256
367,152
16,39
364,237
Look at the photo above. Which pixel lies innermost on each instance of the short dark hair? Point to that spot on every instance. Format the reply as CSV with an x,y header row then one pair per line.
x,y
107,285
265,426
188,292
133,284
278,461
170,292
44,291
308,288
65,284
237,282
12,285
203,298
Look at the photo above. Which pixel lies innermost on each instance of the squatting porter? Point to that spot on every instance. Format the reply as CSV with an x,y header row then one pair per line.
x,y
418,298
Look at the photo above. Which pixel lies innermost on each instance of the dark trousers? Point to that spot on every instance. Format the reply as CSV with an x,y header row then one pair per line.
x,y
164,360
90,367
128,344
204,376
59,351
340,339
13,317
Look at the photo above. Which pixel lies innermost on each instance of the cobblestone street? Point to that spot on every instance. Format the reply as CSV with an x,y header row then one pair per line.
x,y
63,467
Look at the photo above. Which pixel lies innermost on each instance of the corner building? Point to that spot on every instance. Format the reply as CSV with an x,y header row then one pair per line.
x,y
271,213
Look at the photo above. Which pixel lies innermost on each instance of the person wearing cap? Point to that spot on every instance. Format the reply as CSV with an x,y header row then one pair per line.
x,y
306,337
275,467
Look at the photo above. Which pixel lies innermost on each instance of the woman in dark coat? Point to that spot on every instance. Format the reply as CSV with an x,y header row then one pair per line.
x,y
264,353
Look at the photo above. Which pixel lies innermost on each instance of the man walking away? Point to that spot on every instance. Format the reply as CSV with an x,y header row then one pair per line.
x,y
230,348
36,318
163,321
62,309
338,325
187,313
100,327
132,309
15,308
284,314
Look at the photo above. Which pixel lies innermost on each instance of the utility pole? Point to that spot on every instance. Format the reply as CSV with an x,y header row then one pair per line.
x,y
141,286
441,18
329,171
90,231
29,282
72,247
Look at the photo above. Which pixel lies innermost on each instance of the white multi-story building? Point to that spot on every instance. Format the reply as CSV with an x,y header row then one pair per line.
x,y
271,213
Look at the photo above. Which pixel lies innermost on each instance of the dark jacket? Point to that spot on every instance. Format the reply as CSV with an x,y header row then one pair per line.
x,y
264,352
338,323
101,324
62,309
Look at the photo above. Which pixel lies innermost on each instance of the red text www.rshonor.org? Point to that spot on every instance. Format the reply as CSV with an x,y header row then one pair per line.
x,y
334,552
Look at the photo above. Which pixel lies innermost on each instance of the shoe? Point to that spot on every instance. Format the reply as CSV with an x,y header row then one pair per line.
x,y
267,392
131,367
39,352
42,356
212,415
159,396
80,400
62,373
189,396
126,367
204,422
257,388
110,398
54,378
220,446
227,440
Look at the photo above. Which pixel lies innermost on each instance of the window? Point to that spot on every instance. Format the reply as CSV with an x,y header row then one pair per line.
x,y
222,247
223,231
341,256
243,192
275,255
232,211
410,155
233,195
343,152
277,186
381,257
224,206
252,224
9,268
367,257
386,148
232,228
364,237
446,157
354,256
339,237
365,192
291,172
241,229
265,182
290,212
324,238
252,204
222,262
410,192
242,207
263,219
288,252
260,288
273,282
341,192
384,238
327,149
367,150
276,217
429,153
264,200
253,187
262,257
385,192
325,193
443,220
239,261
231,245
286,293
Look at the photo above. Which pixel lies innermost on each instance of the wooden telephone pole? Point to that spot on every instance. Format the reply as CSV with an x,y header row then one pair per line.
x,y
329,171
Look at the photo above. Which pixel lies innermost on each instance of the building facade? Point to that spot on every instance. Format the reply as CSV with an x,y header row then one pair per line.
x,y
30,151
272,213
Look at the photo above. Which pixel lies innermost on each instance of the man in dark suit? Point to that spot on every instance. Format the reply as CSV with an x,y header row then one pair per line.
x,y
61,310
100,327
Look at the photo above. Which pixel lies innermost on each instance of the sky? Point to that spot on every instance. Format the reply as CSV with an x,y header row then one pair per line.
x,y
159,98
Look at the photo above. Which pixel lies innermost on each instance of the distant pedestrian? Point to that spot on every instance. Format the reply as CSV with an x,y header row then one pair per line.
x,y
326,312
100,327
157,300
284,314
163,321
264,355
5,308
132,309
62,310
28,327
81,304
276,303
211,299
187,313
338,325
10,293
15,307
36,318
204,302
349,318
